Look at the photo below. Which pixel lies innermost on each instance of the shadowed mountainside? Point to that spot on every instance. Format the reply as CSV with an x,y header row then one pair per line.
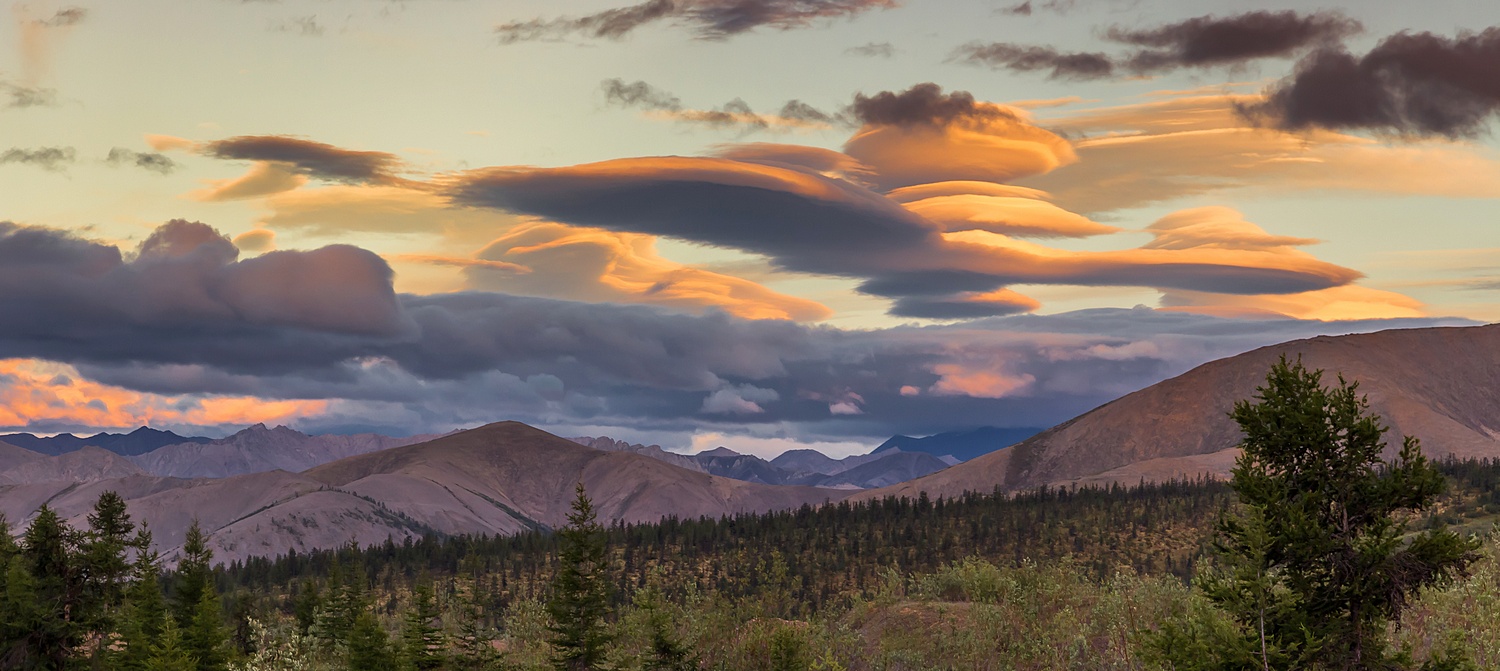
x,y
497,479
1441,385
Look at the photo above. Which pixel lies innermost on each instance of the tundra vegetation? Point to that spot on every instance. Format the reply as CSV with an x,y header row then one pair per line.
x,y
1325,551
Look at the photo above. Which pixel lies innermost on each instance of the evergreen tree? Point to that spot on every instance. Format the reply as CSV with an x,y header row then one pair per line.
x,y
48,555
105,568
1315,565
206,637
580,595
145,608
369,646
422,640
194,575
172,653
305,607
21,617
668,652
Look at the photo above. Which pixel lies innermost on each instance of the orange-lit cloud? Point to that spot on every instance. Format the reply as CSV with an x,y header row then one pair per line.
x,y
34,392
981,382
1010,215
342,209
258,240
1183,146
1337,303
998,148
590,264
263,179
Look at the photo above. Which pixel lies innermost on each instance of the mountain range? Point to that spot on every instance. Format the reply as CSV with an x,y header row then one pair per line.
x,y
269,490
139,441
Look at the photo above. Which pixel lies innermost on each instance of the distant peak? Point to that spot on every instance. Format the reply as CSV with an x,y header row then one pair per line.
x,y
720,451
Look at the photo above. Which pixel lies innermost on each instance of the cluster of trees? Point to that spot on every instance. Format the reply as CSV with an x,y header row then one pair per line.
x,y
98,598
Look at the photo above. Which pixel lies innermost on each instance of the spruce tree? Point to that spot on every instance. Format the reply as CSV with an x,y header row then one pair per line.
x,y
171,653
369,646
194,575
206,638
579,600
48,554
1317,561
421,640
145,607
105,568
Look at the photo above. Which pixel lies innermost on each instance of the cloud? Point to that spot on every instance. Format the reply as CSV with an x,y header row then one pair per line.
x,y
22,97
1209,40
1011,215
595,265
263,179
916,138
1410,83
1175,146
154,162
182,317
1205,41
1028,58
306,26
708,19
872,50
309,158
825,162
736,113
54,159
258,240
39,395
740,400
39,37
1216,228
924,104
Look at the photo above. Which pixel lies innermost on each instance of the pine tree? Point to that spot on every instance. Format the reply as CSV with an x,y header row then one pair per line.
x,y
579,600
421,641
1317,563
369,646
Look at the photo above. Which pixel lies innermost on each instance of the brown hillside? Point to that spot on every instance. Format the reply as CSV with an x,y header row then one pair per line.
x,y
1441,385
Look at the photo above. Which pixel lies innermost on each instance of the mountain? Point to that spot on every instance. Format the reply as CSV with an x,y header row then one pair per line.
x,y
793,467
258,449
654,451
961,445
497,479
1441,385
12,456
89,464
139,441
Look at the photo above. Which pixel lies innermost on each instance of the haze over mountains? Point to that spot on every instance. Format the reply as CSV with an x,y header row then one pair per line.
x,y
269,490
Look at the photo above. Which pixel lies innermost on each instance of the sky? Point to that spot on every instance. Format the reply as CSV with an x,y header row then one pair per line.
x,y
764,224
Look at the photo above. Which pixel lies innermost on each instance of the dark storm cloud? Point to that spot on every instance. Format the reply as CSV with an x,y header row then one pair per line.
x,y
1410,83
183,315
922,104
315,159
1205,41
872,50
708,19
55,159
1025,58
1209,40
158,163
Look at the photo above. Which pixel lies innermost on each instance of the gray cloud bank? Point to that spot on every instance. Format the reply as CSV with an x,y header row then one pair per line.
x,y
182,314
